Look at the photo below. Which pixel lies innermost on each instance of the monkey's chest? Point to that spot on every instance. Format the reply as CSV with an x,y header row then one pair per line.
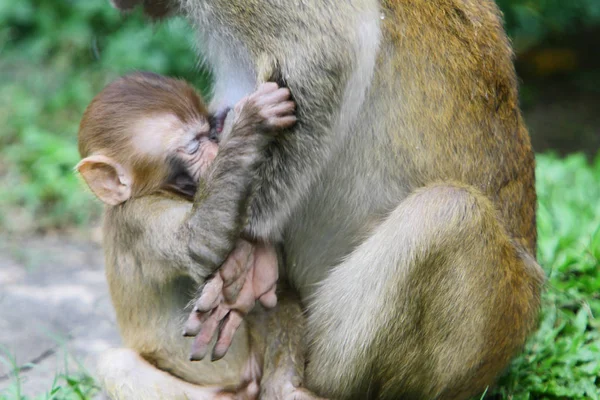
x,y
336,216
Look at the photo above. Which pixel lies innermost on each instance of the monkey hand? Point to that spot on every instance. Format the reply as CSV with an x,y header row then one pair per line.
x,y
249,274
272,104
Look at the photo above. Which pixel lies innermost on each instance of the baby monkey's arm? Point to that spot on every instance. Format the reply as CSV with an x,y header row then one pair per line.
x,y
249,273
231,177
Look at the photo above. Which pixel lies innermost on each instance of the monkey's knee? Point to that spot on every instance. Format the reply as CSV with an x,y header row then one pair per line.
x,y
474,294
125,375
444,300
114,370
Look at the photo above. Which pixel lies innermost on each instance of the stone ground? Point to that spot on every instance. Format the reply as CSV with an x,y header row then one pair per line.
x,y
55,310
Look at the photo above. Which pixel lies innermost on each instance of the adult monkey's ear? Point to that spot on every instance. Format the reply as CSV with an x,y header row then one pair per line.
x,y
106,178
153,8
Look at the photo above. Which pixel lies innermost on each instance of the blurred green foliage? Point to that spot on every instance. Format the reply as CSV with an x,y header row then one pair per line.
x,y
531,22
74,384
54,57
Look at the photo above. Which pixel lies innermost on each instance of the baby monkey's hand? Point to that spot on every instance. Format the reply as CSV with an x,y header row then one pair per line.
x,y
250,271
272,105
249,274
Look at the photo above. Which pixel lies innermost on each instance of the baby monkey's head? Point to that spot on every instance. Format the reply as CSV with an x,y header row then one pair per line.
x,y
142,134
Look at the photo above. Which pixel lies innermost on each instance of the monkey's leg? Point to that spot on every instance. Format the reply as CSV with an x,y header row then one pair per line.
x,y
124,375
283,334
431,306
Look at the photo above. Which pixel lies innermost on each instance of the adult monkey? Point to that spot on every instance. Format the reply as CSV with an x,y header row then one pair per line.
x,y
404,197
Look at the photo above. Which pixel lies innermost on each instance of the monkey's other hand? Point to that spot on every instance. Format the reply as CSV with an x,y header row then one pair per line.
x,y
249,274
273,105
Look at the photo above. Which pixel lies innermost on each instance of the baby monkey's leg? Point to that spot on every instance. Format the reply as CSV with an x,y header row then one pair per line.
x,y
277,356
284,353
125,375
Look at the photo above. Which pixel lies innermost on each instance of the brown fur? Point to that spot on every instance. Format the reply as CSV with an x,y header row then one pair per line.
x,y
466,85
106,126
151,276
404,197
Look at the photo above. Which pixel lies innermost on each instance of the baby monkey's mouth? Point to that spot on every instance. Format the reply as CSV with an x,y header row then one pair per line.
x,y
217,123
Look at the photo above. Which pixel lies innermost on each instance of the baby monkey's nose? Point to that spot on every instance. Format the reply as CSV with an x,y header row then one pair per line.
x,y
217,123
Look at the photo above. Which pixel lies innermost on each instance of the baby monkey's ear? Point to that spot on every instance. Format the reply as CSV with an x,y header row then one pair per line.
x,y
106,178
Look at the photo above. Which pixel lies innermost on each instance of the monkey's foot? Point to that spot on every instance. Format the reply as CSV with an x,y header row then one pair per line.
x,y
286,391
247,391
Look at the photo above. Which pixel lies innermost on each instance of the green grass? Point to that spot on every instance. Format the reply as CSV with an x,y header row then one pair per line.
x,y
73,384
80,386
562,360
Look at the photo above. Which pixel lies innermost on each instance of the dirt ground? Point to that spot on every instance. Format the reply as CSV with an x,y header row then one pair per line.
x,y
55,310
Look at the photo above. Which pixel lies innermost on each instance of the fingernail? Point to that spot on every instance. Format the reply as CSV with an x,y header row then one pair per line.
x,y
197,356
216,356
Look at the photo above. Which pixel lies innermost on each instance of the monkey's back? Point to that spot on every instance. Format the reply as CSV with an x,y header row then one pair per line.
x,y
150,295
459,117
442,107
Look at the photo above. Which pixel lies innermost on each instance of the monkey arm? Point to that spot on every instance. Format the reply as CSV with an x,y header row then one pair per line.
x,y
219,215
221,203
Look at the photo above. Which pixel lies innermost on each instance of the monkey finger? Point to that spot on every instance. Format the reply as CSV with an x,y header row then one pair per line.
x,y
207,331
195,320
274,97
193,324
228,329
246,298
240,104
232,292
237,262
211,294
280,109
282,122
199,349
267,87
265,269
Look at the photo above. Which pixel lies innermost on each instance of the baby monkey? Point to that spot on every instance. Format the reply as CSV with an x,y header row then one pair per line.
x,y
147,145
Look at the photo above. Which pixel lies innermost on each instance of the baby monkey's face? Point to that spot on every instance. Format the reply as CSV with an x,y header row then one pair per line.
x,y
197,148
189,144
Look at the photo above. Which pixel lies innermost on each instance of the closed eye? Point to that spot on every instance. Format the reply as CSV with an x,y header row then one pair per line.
x,y
192,147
